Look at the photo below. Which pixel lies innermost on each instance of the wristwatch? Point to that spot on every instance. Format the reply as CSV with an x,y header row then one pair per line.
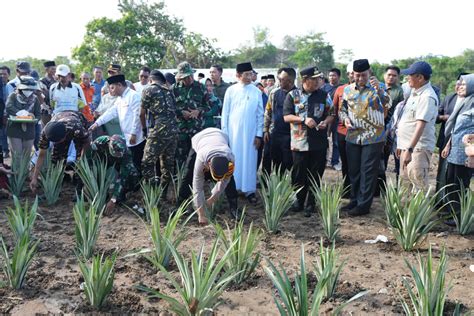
x,y
302,119
410,150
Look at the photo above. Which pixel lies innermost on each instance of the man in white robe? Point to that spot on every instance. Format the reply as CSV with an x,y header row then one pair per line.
x,y
242,121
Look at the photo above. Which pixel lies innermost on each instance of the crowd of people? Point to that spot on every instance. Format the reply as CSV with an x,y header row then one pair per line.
x,y
226,132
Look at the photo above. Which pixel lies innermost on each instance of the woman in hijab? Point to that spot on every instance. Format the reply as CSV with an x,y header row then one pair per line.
x,y
210,117
459,124
25,105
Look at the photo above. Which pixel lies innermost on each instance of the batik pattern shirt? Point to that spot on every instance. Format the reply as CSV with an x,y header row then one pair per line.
x,y
366,109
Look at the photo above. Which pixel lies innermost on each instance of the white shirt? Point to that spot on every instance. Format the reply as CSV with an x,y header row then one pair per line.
x,y
139,87
127,109
422,105
70,98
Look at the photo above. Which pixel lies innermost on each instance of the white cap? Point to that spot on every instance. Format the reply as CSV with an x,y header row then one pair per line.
x,y
350,67
62,70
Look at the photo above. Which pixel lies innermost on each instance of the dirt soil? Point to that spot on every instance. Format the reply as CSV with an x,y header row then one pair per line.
x,y
53,281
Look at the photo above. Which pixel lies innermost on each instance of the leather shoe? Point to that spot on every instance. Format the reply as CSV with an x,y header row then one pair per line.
x,y
349,206
358,211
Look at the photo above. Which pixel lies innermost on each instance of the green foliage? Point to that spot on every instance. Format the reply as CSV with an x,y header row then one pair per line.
x,y
97,178
327,262
178,178
278,195
16,266
411,216
312,49
87,219
35,63
243,256
329,199
295,300
51,181
98,278
465,220
20,169
144,34
21,219
202,282
151,197
172,234
428,296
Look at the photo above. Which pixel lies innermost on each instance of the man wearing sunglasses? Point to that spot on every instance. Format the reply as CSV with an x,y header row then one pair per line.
x,y
210,157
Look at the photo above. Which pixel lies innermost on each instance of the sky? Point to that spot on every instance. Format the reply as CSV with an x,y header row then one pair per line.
x,y
372,29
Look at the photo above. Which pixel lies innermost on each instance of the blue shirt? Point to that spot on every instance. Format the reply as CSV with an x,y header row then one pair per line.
x,y
97,89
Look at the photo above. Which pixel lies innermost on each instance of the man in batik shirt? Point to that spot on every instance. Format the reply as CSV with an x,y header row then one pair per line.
x,y
364,107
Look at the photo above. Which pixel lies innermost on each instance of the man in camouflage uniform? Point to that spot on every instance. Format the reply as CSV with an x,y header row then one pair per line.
x,y
162,138
192,101
114,150
63,128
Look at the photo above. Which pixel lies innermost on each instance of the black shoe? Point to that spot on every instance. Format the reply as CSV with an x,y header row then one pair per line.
x,y
235,214
296,207
252,198
349,206
308,210
358,212
450,222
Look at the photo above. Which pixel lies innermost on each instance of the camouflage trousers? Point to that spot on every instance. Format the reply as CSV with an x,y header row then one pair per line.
x,y
160,149
184,146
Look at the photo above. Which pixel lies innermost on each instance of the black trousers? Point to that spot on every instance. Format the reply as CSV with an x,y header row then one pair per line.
x,y
457,176
184,190
280,151
304,164
137,155
363,162
341,138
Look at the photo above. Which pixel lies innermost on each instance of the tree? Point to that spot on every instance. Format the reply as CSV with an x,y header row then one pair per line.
x,y
143,35
36,64
311,49
346,56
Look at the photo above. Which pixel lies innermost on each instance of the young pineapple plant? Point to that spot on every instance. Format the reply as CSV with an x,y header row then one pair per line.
x,y
201,285
295,300
329,199
20,170
278,195
178,178
51,181
15,266
97,177
151,197
98,278
211,212
87,219
327,262
465,219
21,219
242,246
428,295
172,233
410,216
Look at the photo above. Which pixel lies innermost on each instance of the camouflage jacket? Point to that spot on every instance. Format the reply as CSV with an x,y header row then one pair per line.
x,y
124,166
159,101
192,98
